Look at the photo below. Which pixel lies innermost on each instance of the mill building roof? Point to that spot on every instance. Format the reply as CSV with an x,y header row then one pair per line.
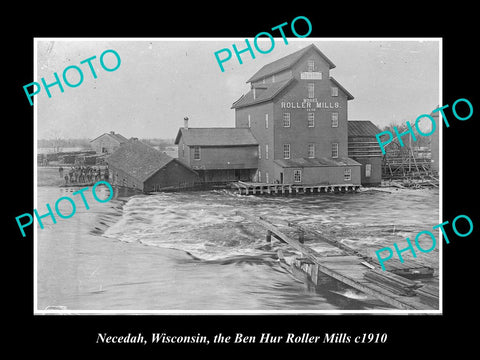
x,y
139,160
216,137
287,62
362,128
265,93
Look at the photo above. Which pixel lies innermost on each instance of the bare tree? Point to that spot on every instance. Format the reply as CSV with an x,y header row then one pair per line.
x,y
56,140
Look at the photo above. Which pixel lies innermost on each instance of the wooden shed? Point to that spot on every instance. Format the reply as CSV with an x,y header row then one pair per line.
x,y
363,147
139,166
218,155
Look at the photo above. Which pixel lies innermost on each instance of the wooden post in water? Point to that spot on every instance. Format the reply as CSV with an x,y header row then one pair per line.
x,y
269,236
301,236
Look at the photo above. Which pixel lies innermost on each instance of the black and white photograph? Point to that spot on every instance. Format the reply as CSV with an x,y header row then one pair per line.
x,y
297,181
227,176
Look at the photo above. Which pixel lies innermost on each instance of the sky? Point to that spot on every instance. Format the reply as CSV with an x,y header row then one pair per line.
x,y
160,81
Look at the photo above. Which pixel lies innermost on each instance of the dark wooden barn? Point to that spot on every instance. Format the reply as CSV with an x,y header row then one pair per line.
x,y
139,166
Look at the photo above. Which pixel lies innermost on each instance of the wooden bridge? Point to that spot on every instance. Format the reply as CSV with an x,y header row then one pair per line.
x,y
395,286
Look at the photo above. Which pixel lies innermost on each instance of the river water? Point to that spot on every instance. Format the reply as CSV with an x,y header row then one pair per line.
x,y
191,251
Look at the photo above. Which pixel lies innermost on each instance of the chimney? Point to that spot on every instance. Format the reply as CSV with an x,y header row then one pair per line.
x,y
185,122
112,132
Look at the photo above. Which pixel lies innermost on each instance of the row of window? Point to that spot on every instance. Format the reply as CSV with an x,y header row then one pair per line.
x,y
310,119
286,151
310,150
297,175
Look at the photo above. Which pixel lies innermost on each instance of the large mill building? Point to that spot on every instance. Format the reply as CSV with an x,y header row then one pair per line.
x,y
298,114
294,128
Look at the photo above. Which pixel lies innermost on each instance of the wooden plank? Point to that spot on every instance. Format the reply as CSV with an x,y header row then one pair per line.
x,y
392,282
391,278
352,275
357,272
334,243
377,292
339,258
347,266
350,268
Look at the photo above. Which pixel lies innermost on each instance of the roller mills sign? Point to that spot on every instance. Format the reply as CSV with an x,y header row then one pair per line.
x,y
309,104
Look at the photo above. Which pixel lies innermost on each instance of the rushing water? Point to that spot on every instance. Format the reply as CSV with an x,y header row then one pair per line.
x,y
192,251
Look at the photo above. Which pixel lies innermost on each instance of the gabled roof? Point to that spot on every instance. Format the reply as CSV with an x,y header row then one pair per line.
x,y
264,92
286,63
118,137
216,137
315,162
362,128
139,160
270,91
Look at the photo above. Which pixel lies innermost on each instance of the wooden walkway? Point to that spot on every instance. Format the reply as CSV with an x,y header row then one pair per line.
x,y
356,270
246,188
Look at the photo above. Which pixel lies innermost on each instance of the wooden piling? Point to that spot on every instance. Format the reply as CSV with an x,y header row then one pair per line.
x,y
267,188
350,270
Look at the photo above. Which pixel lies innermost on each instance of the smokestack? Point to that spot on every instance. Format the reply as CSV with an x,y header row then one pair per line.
x,y
185,122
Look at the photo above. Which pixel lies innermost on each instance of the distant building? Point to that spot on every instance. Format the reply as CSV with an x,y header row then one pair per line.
x,y
139,166
363,147
298,114
218,154
107,143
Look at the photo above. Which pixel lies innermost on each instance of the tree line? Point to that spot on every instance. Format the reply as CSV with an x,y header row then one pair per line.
x,y
57,144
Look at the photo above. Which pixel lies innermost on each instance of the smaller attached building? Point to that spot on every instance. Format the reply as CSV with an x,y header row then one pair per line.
x,y
107,143
363,147
139,166
317,171
218,155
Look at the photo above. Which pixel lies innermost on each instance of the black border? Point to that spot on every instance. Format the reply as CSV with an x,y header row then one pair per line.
x,y
53,334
